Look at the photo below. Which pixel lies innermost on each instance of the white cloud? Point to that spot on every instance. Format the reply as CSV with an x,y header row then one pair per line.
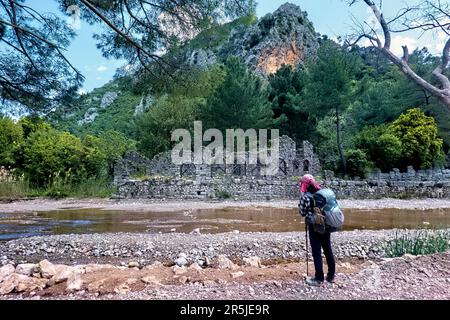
x,y
102,68
98,78
438,43
398,41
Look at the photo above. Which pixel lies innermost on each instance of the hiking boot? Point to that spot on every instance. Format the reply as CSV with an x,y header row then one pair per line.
x,y
314,282
330,279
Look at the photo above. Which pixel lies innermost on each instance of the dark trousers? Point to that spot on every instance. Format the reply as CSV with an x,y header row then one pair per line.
x,y
319,242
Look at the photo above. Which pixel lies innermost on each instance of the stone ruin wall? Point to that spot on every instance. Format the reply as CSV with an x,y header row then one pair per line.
x,y
164,180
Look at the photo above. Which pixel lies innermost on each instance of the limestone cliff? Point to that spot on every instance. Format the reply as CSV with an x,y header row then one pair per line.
x,y
283,37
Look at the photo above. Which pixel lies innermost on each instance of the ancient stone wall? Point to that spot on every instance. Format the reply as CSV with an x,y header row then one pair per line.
x,y
251,188
137,177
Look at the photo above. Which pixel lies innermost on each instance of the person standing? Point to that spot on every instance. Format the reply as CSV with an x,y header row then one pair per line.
x,y
318,240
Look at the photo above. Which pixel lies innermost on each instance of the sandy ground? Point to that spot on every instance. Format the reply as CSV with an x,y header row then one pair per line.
x,y
171,205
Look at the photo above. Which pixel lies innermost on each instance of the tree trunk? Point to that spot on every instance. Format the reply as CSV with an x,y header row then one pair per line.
x,y
427,98
338,141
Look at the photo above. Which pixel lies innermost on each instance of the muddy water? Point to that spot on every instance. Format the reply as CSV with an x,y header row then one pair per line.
x,y
17,225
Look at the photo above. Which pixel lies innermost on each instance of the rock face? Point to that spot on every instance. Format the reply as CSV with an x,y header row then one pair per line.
x,y
285,37
108,99
143,106
201,58
90,116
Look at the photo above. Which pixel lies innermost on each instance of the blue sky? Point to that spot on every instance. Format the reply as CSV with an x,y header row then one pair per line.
x,y
329,17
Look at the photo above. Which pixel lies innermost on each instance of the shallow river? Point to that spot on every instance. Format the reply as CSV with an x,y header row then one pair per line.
x,y
17,225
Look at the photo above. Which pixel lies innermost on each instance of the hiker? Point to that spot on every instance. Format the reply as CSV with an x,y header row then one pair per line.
x,y
318,240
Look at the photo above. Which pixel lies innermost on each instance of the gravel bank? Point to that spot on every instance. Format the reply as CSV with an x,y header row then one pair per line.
x,y
408,277
122,248
168,206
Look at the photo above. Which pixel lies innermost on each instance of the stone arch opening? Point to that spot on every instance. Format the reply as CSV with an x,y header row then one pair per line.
x,y
187,170
283,166
306,165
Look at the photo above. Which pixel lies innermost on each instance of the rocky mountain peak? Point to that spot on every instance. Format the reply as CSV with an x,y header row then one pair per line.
x,y
285,37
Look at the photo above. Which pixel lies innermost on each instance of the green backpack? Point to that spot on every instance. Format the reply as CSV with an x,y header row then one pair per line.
x,y
326,212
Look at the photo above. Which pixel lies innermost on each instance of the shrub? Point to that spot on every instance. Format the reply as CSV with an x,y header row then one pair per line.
x,y
418,135
418,243
11,135
357,163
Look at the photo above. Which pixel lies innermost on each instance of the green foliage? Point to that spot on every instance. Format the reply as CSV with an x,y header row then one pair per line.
x,y
216,36
32,124
178,108
11,135
357,163
34,72
383,148
49,153
329,87
43,157
286,87
13,189
240,101
418,135
107,148
418,243
119,116
329,80
93,187
155,127
222,194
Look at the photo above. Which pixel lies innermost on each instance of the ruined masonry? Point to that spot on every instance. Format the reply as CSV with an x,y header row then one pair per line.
x,y
139,177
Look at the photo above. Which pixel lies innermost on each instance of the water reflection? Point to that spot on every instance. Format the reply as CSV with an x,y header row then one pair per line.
x,y
15,225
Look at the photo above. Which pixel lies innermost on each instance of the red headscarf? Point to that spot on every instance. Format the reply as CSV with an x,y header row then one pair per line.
x,y
307,179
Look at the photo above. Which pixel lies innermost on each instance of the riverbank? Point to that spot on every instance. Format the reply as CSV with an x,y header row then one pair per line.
x,y
407,277
231,265
44,204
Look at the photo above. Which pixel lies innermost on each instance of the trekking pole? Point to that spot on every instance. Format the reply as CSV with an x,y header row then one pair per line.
x,y
306,238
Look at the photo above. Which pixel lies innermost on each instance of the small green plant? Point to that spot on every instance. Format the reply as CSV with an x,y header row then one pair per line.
x,y
402,196
13,189
222,194
419,242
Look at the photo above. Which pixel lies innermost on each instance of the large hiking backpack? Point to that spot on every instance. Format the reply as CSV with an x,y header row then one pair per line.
x,y
326,205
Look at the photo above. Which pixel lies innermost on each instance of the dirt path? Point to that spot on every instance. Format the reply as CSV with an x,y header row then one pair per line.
x,y
423,277
168,206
